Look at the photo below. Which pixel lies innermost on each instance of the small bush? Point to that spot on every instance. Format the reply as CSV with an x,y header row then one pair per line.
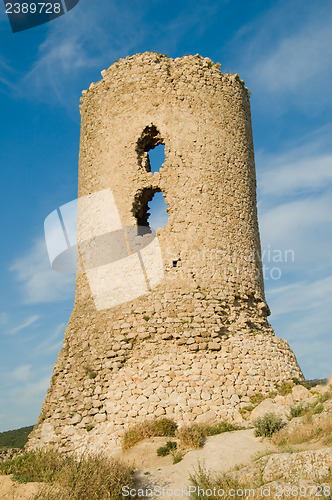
x,y
192,436
297,410
285,388
212,430
256,399
267,425
245,409
149,428
90,372
164,427
177,457
324,397
319,408
89,427
163,451
228,486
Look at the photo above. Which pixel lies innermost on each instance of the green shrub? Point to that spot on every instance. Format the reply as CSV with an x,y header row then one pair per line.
x,y
285,388
257,398
319,408
212,430
90,372
245,409
177,457
324,397
163,451
164,427
267,425
297,410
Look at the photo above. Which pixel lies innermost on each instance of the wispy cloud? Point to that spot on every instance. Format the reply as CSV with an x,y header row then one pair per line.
x,y
294,193
85,41
39,283
301,313
25,324
304,225
21,373
82,41
286,175
52,343
4,318
301,296
298,58
23,389
285,52
6,75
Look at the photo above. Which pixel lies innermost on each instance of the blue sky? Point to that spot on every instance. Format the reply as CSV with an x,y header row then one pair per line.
x,y
282,49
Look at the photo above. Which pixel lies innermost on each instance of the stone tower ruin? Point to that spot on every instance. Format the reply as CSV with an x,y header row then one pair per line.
x,y
197,344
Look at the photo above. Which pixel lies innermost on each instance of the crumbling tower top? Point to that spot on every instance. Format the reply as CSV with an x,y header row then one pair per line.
x,y
208,177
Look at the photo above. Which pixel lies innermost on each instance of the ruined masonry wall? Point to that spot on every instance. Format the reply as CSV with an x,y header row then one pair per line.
x,y
198,345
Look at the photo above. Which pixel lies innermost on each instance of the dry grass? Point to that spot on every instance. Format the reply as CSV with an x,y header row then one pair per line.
x,y
194,435
306,431
91,478
190,436
147,429
224,486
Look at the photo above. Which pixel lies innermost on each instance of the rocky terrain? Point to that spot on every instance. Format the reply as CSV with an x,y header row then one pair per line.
x,y
294,463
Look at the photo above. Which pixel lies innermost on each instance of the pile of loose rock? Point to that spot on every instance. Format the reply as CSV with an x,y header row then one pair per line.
x,y
10,453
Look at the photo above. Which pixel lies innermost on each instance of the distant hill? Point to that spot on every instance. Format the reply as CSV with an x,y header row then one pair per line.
x,y
16,438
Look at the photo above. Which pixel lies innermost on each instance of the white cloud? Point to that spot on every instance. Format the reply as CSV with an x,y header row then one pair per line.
x,y
21,373
90,37
304,226
39,282
294,201
302,314
304,167
298,58
287,176
52,343
24,390
25,324
4,318
302,296
6,74
285,53
81,40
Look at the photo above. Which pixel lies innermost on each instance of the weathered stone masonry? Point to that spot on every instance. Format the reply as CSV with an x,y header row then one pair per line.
x,y
198,344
